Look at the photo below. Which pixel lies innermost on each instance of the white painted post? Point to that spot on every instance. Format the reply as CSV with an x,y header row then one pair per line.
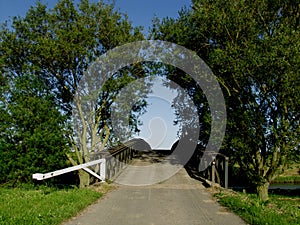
x,y
103,169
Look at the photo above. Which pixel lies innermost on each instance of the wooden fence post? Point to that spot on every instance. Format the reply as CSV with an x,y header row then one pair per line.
x,y
226,172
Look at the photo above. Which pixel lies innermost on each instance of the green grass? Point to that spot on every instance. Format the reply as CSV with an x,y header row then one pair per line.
x,y
287,179
44,206
281,210
291,175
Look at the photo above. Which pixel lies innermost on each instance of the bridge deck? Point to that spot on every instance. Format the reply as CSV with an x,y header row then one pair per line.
x,y
179,200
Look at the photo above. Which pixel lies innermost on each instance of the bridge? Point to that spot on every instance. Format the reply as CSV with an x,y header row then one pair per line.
x,y
108,164
179,199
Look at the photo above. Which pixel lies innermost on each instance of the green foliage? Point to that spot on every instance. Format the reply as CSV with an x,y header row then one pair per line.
x,y
54,47
278,210
59,44
31,138
44,206
253,49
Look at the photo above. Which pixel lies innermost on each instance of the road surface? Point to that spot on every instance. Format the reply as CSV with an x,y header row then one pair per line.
x,y
179,200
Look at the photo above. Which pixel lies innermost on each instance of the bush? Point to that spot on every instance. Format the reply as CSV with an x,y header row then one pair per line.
x,y
31,135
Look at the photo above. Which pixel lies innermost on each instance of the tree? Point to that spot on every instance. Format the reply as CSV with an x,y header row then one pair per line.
x,y
94,126
57,45
253,49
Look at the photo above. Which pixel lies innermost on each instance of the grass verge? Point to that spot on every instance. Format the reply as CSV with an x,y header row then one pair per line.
x,y
44,206
287,179
280,209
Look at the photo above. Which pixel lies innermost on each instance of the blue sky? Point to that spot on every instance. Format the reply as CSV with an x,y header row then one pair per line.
x,y
140,12
158,126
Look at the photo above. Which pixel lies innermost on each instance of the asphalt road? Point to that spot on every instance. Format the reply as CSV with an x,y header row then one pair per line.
x,y
179,200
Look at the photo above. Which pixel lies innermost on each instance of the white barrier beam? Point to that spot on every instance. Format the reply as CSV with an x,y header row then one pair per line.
x,y
43,176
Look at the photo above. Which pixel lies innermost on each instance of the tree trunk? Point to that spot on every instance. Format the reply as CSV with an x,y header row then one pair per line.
x,y
263,191
84,179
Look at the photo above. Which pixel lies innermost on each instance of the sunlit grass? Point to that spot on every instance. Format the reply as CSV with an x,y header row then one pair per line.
x,y
287,179
281,210
44,206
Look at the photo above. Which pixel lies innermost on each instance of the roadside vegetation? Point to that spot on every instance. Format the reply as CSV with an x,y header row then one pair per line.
x,y
287,179
292,175
279,209
47,205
